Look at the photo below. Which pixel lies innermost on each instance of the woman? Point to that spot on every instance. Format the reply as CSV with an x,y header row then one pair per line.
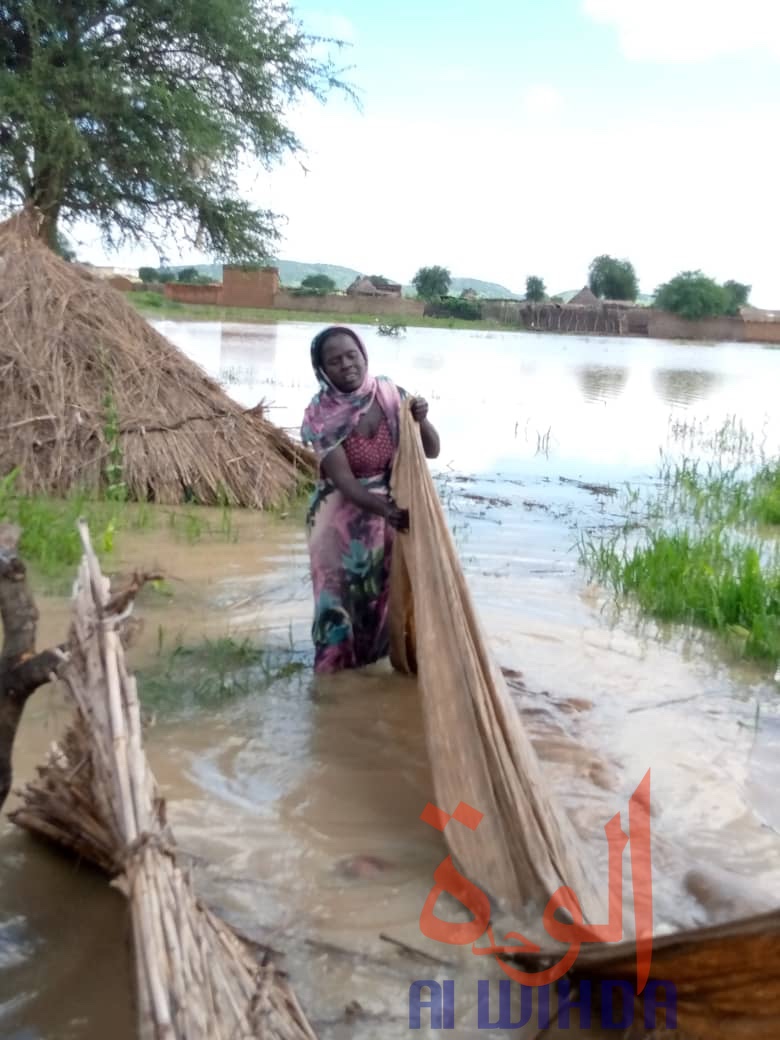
x,y
353,426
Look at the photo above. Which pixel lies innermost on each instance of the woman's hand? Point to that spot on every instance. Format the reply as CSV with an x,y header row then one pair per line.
x,y
430,438
419,409
397,518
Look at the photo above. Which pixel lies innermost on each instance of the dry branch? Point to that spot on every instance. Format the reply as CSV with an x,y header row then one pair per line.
x,y
196,980
22,670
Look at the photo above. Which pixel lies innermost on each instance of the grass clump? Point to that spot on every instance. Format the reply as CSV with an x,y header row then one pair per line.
x,y
765,503
50,541
706,578
211,673
702,549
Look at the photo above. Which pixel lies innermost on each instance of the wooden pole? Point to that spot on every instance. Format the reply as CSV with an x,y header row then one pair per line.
x,y
196,979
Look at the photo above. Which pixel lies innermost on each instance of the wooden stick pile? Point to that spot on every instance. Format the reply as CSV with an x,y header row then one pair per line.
x,y
196,980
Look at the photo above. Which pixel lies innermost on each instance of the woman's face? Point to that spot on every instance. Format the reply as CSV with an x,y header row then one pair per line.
x,y
343,362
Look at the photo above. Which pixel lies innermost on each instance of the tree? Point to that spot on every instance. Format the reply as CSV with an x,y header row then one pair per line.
x,y
431,283
188,274
148,274
535,289
737,294
692,295
138,116
320,284
63,248
612,279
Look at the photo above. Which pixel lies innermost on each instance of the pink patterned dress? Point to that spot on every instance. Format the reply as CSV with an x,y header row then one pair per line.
x,y
351,552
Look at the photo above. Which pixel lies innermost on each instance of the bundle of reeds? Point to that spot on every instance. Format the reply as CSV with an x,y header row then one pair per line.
x,y
196,979
94,397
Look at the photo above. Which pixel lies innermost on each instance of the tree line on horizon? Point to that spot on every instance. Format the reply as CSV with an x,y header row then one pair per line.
x,y
690,294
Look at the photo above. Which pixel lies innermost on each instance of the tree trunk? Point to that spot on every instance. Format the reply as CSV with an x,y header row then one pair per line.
x,y
46,196
22,671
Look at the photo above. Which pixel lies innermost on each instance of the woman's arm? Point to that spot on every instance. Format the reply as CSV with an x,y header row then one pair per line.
x,y
428,434
336,468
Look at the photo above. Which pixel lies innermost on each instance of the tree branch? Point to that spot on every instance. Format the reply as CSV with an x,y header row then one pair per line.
x,y
22,670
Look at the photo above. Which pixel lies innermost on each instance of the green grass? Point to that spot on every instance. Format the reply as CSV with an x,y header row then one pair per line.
x,y
49,539
153,304
50,543
765,504
702,550
709,579
210,673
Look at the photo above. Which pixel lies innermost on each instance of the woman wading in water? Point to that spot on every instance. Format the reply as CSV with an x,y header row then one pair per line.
x,y
352,424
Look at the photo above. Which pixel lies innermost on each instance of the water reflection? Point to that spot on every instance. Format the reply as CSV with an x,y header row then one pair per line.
x,y
242,344
512,389
678,386
600,382
429,362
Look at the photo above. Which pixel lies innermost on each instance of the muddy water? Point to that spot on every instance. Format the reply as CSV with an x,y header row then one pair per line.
x,y
299,803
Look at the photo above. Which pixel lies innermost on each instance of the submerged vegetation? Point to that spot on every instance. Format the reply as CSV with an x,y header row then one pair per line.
x,y
212,672
703,547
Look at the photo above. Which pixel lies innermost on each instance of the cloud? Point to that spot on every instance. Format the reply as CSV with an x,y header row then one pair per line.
x,y
541,99
689,30
522,204
502,213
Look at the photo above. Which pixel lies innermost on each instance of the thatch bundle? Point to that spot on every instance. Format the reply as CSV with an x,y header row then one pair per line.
x,y
196,979
93,395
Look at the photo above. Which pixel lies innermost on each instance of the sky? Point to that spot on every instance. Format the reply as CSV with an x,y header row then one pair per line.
x,y
509,138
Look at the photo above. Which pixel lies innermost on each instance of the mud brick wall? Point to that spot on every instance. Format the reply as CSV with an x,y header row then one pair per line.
x,y
181,292
241,288
335,304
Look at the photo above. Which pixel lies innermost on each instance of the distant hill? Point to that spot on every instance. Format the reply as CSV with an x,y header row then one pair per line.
x,y
292,273
489,290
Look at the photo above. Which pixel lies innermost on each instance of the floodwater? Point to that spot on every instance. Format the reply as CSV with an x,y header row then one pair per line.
x,y
300,801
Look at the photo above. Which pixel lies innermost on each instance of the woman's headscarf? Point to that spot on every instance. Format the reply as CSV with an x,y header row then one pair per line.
x,y
332,415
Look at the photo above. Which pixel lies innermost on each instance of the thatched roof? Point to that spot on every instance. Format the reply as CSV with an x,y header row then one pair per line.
x,y
374,286
584,298
74,354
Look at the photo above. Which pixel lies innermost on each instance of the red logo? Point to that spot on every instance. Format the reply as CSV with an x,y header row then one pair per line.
x,y
575,932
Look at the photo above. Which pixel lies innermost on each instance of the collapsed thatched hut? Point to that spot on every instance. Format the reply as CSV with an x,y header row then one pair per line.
x,y
93,396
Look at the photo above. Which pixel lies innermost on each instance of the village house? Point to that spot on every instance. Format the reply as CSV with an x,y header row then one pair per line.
x,y
374,286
